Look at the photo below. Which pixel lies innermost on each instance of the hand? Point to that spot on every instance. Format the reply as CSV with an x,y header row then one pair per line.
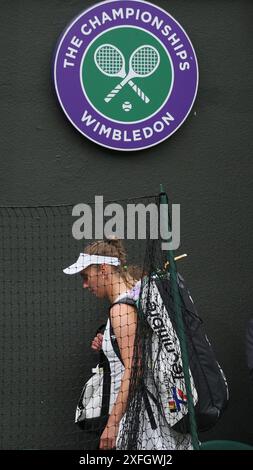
x,y
96,344
109,436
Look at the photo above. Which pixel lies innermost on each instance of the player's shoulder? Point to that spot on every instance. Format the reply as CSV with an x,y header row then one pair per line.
x,y
121,308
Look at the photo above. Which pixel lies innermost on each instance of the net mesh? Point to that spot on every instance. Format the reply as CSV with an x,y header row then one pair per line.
x,y
109,60
54,332
149,422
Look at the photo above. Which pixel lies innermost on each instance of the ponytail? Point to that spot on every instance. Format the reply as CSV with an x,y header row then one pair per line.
x,y
114,247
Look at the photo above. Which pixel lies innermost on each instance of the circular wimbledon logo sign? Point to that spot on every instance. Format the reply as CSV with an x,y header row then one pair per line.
x,y
125,74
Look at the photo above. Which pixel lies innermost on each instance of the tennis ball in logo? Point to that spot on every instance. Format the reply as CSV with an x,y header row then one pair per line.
x,y
127,106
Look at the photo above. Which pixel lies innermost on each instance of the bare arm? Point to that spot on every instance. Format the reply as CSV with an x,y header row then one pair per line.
x,y
123,318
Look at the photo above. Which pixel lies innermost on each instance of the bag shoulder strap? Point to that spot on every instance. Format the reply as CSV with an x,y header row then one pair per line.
x,y
106,384
124,300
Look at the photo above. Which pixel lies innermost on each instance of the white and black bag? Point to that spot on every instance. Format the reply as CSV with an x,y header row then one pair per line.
x,y
92,410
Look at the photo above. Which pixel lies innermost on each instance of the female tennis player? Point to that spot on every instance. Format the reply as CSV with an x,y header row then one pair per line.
x,y
104,272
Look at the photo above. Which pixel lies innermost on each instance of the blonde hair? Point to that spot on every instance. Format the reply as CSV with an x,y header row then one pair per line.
x,y
114,247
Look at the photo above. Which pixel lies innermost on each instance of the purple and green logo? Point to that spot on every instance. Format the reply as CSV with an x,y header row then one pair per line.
x,y
125,74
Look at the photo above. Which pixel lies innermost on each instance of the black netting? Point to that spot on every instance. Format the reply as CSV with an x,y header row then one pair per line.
x,y
127,328
47,325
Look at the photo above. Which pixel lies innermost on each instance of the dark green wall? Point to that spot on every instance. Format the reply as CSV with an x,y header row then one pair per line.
x,y
205,166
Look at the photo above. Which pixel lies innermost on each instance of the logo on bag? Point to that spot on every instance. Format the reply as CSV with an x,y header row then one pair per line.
x,y
179,398
125,74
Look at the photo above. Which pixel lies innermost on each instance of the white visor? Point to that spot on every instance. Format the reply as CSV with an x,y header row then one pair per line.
x,y
86,260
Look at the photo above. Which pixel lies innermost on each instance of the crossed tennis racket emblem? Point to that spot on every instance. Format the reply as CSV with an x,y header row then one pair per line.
x,y
143,62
